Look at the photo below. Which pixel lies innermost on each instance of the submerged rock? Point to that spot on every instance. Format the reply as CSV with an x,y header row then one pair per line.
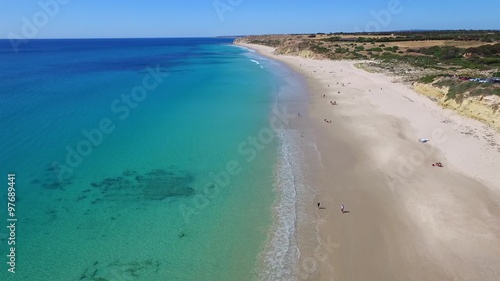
x,y
129,173
161,187
156,184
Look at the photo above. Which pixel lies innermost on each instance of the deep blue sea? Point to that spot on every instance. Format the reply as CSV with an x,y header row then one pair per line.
x,y
145,159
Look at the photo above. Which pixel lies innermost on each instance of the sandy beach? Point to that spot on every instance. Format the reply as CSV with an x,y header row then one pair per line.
x,y
405,219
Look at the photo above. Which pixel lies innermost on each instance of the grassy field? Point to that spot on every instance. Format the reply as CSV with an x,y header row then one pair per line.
x,y
424,44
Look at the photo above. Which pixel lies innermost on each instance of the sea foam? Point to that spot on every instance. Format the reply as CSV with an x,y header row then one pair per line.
x,y
281,253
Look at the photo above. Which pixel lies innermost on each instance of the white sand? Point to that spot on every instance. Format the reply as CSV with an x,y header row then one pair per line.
x,y
408,220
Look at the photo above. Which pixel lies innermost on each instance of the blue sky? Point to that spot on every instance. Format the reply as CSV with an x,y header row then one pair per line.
x,y
197,18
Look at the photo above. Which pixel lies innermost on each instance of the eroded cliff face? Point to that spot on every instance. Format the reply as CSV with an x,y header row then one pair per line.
x,y
285,45
294,49
485,108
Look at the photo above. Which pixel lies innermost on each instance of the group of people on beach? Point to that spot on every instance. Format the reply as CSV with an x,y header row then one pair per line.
x,y
331,103
342,208
437,164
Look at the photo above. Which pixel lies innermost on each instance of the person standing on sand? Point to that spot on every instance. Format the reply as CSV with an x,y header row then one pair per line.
x,y
342,208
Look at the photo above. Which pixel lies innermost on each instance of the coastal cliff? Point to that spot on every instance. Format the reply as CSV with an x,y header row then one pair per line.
x,y
484,106
284,45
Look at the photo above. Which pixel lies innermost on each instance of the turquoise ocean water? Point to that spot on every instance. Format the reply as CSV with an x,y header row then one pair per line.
x,y
144,159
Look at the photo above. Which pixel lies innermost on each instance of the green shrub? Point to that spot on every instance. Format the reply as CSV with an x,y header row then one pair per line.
x,y
319,49
460,89
341,50
428,79
493,61
391,49
446,83
332,39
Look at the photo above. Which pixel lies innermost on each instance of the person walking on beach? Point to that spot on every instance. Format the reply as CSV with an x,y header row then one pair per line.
x,y
319,204
342,208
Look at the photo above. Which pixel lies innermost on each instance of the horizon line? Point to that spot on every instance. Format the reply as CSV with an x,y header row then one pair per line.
x,y
231,36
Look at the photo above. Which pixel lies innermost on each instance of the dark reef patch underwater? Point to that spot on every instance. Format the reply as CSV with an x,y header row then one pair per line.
x,y
119,270
156,184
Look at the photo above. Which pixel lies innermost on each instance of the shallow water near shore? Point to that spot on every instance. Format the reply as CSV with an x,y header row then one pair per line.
x,y
134,159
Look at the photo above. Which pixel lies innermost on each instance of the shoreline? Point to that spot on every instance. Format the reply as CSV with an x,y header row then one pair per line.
x,y
406,217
